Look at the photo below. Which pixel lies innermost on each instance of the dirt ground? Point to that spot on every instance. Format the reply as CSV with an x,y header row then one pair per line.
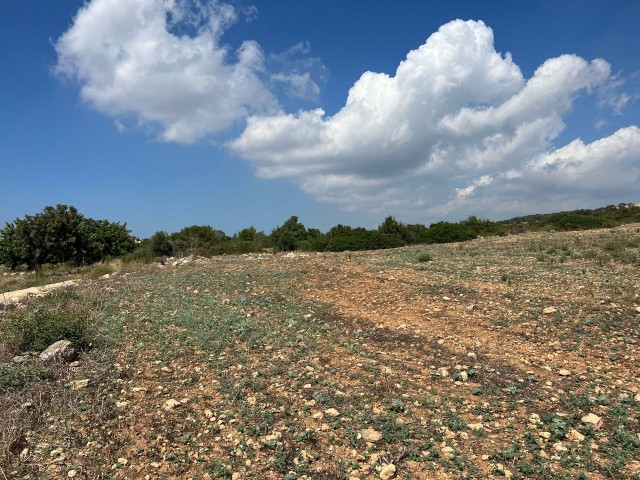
x,y
512,357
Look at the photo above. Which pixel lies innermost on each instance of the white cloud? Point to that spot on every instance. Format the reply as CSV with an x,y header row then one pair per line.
x,y
300,86
297,70
162,63
456,127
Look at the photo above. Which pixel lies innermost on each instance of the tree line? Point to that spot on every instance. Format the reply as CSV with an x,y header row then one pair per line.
x,y
62,235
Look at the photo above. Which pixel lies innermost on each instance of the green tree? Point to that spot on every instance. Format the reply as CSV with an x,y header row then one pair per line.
x,y
196,238
161,244
61,234
289,235
392,227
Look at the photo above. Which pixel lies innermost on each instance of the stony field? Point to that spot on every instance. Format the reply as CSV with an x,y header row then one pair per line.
x,y
513,357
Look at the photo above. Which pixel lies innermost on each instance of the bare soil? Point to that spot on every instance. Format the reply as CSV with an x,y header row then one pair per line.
x,y
485,362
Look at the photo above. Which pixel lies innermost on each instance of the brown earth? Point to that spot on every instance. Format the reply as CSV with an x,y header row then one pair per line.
x,y
481,363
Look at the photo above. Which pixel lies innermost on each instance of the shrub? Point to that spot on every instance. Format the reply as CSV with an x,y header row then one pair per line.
x,y
61,234
425,257
289,235
99,270
142,254
18,376
394,228
341,238
63,315
447,232
161,245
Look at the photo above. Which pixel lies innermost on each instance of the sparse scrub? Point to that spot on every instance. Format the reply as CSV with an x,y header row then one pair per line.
x,y
14,376
98,270
266,362
63,315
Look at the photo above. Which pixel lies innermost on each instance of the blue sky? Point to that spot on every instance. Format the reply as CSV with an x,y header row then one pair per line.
x,y
164,115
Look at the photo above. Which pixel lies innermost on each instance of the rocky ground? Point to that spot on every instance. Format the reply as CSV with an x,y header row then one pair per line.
x,y
512,357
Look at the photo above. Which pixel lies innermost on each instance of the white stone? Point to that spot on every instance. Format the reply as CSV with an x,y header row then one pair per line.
x,y
371,435
387,471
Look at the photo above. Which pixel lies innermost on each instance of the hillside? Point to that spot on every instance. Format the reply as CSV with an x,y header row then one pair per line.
x,y
500,357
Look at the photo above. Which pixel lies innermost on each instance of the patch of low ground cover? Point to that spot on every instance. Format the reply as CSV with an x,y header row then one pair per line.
x,y
37,396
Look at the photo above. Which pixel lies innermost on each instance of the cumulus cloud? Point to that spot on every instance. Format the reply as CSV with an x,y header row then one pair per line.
x,y
457,126
162,63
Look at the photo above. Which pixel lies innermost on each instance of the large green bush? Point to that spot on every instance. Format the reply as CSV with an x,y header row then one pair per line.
x,y
161,245
59,235
288,236
343,238
391,226
447,232
197,238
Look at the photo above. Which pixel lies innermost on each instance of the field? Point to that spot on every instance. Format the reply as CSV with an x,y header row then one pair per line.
x,y
512,357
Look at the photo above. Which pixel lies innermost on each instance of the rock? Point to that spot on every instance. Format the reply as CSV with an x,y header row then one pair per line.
x,y
20,359
549,310
78,384
61,350
72,473
371,435
575,435
387,471
564,373
504,471
332,412
447,451
56,452
592,419
123,461
122,404
559,447
171,404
